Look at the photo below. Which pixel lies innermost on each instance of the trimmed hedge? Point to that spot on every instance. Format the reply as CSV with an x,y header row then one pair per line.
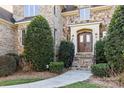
x,y
38,44
56,67
99,52
100,70
7,65
66,53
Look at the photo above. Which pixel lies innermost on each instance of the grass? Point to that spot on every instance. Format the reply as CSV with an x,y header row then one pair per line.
x,y
82,85
18,81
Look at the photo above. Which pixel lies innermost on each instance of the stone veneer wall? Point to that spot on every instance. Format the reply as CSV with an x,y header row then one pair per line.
x,y
55,20
103,16
8,39
18,11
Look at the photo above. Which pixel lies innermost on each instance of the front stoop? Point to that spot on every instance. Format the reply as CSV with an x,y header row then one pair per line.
x,y
82,61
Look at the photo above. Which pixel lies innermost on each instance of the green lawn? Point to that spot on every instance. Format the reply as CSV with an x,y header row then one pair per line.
x,y
82,85
18,81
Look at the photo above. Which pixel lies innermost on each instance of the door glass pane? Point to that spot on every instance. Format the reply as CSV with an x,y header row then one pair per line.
x,y
88,38
81,38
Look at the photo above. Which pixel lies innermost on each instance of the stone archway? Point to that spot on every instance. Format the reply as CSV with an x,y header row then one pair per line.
x,y
84,40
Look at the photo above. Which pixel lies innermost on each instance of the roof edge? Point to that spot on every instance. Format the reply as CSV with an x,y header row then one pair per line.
x,y
10,23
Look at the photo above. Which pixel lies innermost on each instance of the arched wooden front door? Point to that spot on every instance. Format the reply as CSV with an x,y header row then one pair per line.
x,y
84,40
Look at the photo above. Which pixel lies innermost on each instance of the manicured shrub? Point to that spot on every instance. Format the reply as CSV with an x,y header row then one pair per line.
x,y
7,65
16,56
99,52
38,44
114,43
101,70
66,53
56,67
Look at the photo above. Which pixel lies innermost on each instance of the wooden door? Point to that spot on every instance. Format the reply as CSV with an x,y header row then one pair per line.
x,y
84,42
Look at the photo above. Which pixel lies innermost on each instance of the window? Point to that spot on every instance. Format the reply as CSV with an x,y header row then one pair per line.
x,y
54,10
23,36
85,13
31,10
55,30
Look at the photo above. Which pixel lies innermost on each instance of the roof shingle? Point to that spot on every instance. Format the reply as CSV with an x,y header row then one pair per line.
x,y
6,15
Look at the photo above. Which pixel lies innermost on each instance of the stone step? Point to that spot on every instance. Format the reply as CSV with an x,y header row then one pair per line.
x,y
79,68
84,56
83,61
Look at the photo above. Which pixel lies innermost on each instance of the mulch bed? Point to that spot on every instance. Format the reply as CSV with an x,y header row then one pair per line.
x,y
28,75
111,82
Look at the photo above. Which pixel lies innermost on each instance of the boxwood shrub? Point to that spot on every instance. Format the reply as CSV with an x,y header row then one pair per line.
x,y
56,67
7,65
100,70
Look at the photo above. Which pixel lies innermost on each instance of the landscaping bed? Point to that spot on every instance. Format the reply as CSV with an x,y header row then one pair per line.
x,y
99,82
106,82
25,77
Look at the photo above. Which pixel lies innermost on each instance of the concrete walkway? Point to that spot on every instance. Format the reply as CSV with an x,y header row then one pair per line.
x,y
58,81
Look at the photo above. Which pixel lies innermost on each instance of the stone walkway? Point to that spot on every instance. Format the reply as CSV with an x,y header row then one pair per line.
x,y
58,81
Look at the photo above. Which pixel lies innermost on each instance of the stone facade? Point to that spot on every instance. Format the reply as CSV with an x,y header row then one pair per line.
x,y
59,24
55,20
8,39
18,12
64,25
100,17
100,14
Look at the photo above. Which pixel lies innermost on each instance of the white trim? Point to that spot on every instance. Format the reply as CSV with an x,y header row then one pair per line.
x,y
83,24
94,26
23,22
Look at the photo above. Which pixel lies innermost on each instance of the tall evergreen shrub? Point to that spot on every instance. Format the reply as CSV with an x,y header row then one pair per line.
x,y
38,44
114,44
66,53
